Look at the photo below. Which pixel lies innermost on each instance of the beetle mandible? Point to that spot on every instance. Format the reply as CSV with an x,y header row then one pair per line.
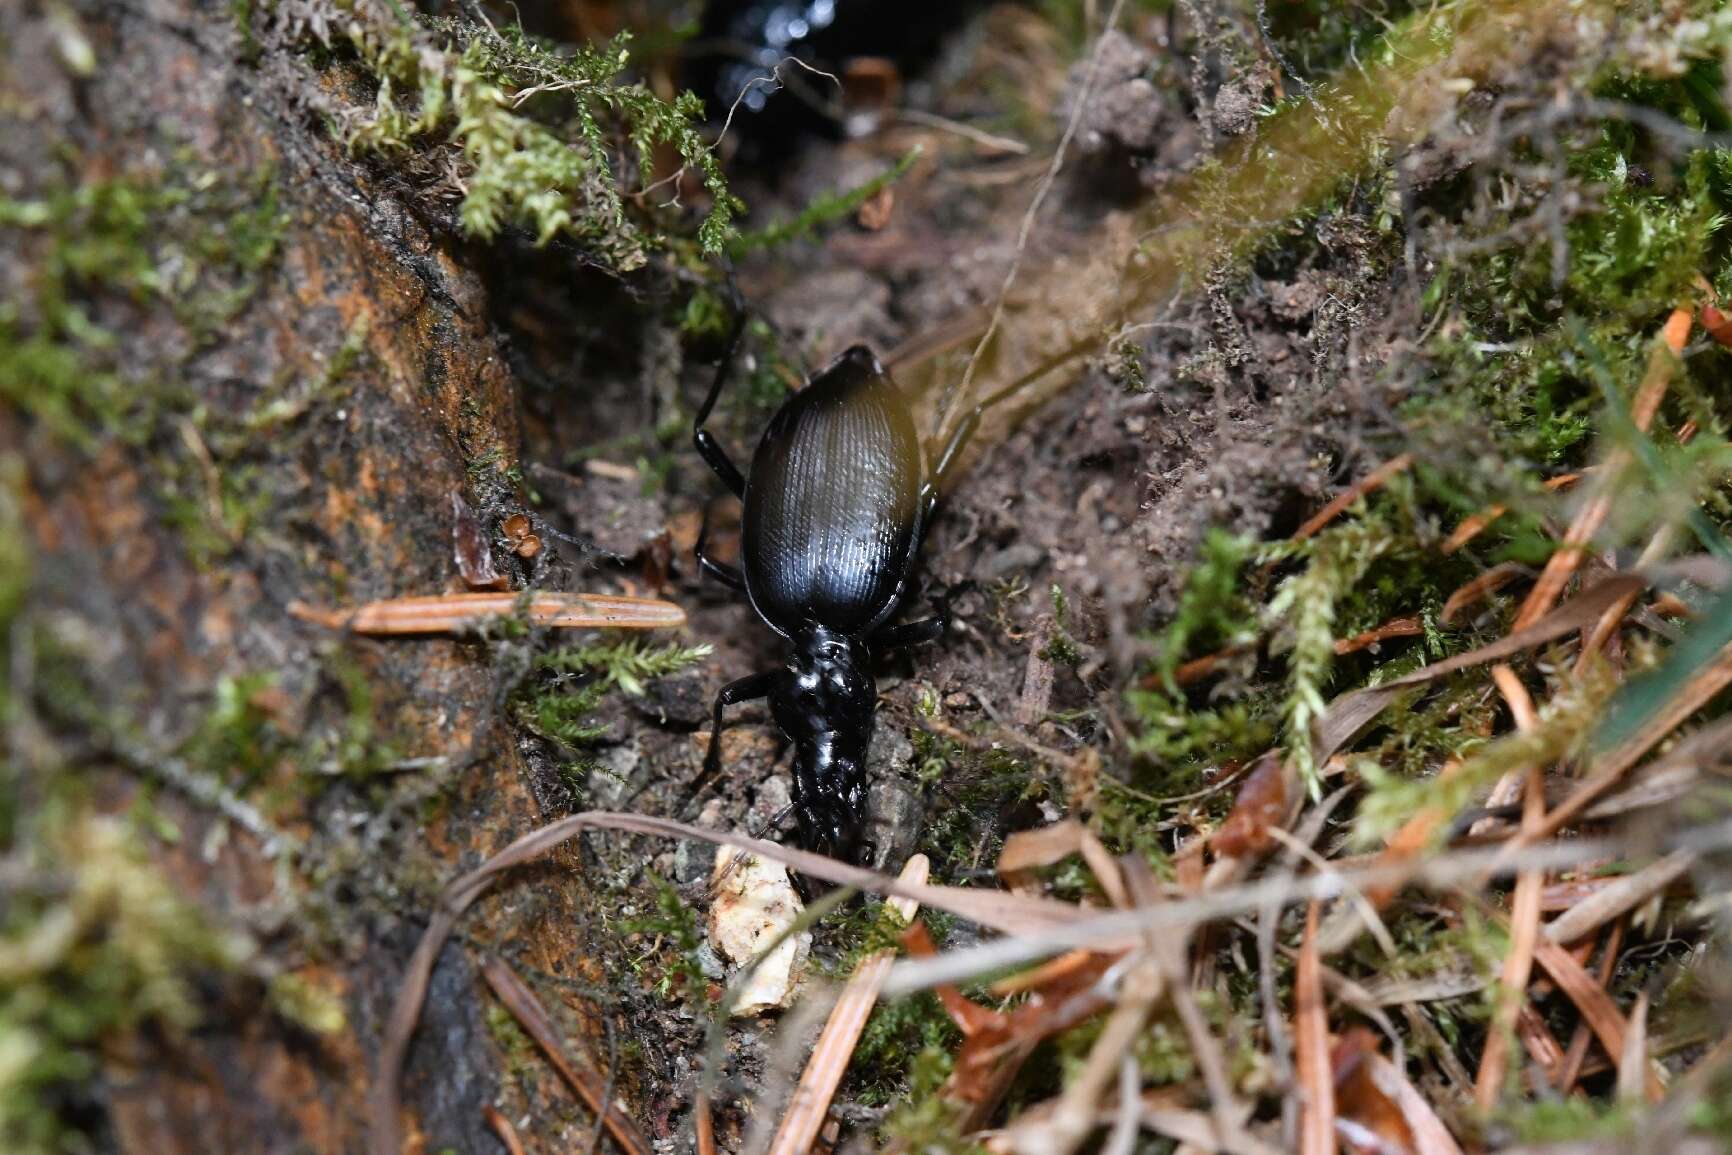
x,y
836,502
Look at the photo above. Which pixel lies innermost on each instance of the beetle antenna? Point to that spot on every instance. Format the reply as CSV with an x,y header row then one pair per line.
x,y
774,825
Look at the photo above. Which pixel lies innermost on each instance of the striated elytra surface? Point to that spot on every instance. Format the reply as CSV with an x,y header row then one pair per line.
x,y
832,506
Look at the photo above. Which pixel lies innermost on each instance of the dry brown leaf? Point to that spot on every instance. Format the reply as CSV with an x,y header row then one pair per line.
x,y
1430,1136
1027,851
1262,803
470,549
1365,1108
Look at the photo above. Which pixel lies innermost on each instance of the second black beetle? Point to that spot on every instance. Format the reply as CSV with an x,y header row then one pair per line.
x,y
837,501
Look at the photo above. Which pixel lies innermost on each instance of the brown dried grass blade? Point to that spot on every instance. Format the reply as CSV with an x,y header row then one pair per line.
x,y
1475,524
1368,484
1480,588
1311,1047
1521,707
1563,562
1351,712
1402,627
1619,897
1518,964
1595,1005
502,1127
1536,1036
1430,1136
459,613
1565,1076
835,1045
1058,970
517,998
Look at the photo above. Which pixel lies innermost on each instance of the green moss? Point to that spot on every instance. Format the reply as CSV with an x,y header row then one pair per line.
x,y
536,128
1214,612
627,664
973,798
672,927
312,1009
569,684
899,1032
1562,729
1571,1120
824,209
1308,603
238,739
926,1121
195,242
354,744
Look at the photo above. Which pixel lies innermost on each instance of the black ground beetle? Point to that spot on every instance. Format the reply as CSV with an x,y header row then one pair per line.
x,y
836,504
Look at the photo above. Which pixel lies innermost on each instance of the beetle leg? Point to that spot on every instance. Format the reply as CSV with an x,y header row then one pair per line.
x,y
911,634
711,449
927,629
726,574
743,690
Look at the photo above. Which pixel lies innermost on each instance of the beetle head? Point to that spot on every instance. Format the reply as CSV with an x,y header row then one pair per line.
x,y
831,827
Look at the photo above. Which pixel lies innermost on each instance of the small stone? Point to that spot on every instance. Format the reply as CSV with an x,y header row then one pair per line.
x,y
710,963
755,903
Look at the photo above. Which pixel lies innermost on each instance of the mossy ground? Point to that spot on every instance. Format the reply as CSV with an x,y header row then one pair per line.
x,y
1500,283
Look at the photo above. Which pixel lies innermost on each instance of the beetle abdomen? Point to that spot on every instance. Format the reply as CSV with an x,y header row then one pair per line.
x,y
832,515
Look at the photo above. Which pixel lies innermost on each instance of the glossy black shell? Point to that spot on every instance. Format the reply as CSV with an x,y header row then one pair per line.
x,y
832,507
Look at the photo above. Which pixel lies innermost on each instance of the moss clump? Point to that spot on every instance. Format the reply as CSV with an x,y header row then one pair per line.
x,y
84,958
568,686
825,209
926,1121
628,664
672,928
973,797
540,134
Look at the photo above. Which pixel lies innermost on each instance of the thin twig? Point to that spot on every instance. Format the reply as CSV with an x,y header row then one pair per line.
x,y
1364,487
1084,92
517,998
